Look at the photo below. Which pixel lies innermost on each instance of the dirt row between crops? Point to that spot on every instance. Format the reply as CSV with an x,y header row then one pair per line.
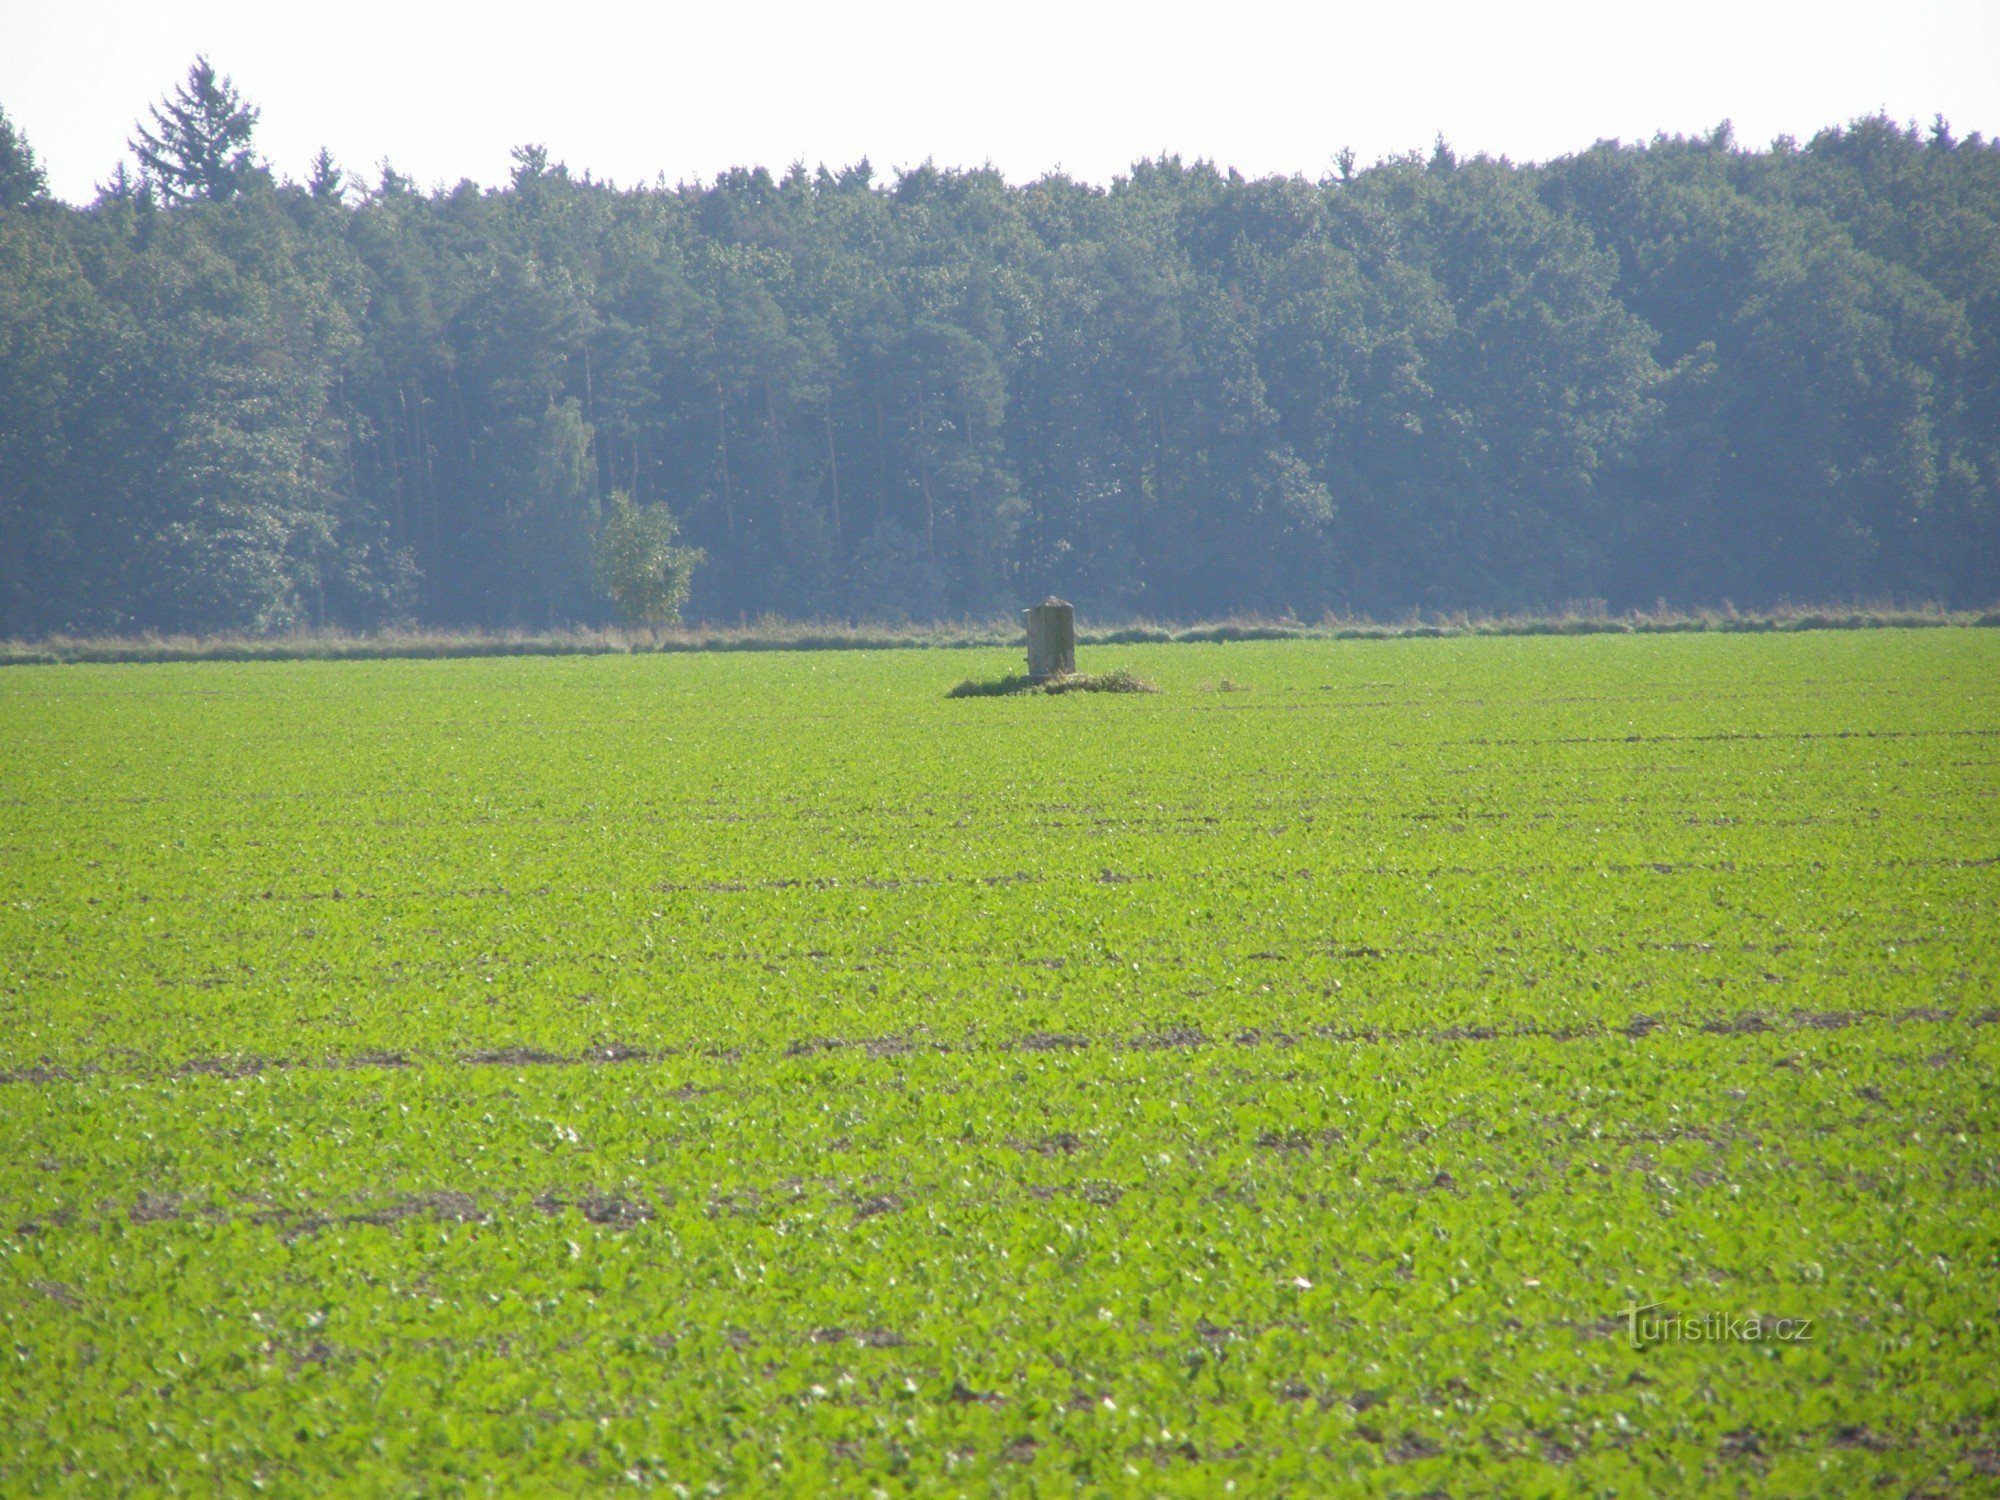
x,y
1746,1023
852,1200
830,883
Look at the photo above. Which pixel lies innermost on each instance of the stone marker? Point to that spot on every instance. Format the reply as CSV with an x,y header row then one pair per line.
x,y
1051,640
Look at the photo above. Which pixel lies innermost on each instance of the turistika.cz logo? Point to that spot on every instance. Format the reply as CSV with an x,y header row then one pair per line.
x,y
1646,1324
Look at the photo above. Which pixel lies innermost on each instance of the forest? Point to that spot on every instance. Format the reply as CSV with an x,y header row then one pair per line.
x,y
1683,371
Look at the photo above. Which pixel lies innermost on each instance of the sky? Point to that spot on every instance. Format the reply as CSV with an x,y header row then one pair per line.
x,y
632,91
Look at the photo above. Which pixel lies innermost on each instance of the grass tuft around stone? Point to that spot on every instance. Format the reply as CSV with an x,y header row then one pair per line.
x,y
1120,680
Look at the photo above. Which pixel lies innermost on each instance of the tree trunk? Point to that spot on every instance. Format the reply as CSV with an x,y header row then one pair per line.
x,y
924,479
722,443
833,477
881,463
392,430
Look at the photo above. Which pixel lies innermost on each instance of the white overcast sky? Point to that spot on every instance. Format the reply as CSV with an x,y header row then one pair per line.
x,y
630,91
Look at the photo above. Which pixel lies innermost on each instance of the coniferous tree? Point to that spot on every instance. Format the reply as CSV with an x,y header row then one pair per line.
x,y
198,146
22,180
326,183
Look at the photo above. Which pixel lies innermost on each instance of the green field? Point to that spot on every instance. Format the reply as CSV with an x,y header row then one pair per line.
x,y
747,1073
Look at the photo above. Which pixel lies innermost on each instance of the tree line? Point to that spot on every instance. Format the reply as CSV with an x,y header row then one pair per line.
x,y
1682,371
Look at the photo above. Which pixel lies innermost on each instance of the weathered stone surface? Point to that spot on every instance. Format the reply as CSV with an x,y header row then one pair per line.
x,y
1051,639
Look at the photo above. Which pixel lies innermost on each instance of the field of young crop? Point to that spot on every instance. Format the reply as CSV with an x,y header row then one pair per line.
x,y
737,1074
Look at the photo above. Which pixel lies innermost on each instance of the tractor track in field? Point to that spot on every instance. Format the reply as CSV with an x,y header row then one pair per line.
x,y
846,1201
878,884
1756,1022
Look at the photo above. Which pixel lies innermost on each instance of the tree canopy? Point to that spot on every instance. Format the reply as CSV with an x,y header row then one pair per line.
x,y
197,147
1677,370
22,180
646,576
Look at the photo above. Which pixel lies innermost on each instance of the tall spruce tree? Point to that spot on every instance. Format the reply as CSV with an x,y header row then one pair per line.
x,y
22,180
198,147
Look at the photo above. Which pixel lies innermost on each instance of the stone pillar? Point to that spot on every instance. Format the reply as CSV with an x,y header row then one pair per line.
x,y
1051,640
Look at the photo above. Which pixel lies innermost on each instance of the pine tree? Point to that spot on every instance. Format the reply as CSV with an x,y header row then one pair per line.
x,y
22,180
327,184
198,146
